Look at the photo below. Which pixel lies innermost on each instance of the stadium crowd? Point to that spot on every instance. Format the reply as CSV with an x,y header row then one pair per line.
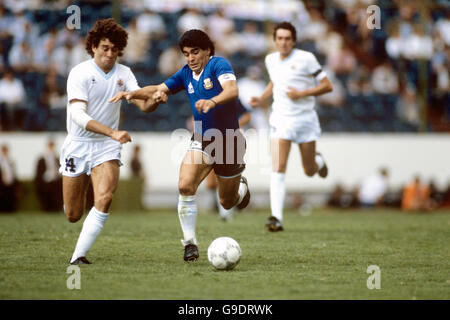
x,y
389,79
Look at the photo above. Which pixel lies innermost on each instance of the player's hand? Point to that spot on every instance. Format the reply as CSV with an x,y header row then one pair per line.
x,y
122,95
295,94
204,105
160,97
255,102
121,136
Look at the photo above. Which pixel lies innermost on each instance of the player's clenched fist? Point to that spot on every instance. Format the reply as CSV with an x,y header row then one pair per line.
x,y
121,136
160,97
203,106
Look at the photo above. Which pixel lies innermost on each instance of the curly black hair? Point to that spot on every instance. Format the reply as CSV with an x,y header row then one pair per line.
x,y
106,29
196,39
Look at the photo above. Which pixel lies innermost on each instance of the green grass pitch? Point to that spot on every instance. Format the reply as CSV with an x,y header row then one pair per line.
x,y
321,256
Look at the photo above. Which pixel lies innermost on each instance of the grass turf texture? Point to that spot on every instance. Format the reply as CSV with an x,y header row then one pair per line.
x,y
322,256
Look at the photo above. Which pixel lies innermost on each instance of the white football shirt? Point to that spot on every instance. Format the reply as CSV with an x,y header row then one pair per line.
x,y
300,70
88,82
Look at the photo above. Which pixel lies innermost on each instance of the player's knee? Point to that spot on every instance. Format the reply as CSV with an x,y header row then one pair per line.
x,y
310,171
104,201
227,204
186,189
73,216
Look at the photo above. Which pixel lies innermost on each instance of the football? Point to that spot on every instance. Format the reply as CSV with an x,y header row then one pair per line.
x,y
224,253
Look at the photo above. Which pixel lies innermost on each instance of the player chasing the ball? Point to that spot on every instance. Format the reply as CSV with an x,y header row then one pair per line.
x,y
217,143
295,79
93,143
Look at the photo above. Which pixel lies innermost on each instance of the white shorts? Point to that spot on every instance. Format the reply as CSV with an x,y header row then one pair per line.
x,y
298,129
79,156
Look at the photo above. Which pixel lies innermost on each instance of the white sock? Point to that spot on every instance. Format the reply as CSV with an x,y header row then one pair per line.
x,y
319,161
92,226
242,192
187,213
277,194
224,213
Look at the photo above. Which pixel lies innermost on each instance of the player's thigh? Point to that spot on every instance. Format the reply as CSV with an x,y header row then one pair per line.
x,y
194,168
105,178
308,154
280,149
211,180
74,191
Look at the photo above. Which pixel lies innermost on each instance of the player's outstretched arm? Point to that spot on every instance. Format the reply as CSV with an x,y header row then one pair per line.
x,y
324,86
230,92
259,101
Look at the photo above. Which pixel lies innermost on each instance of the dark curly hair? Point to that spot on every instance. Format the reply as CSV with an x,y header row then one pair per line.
x,y
196,39
106,29
288,26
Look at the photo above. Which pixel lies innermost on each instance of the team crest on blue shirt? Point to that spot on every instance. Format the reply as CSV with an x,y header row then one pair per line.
x,y
207,84
190,88
120,82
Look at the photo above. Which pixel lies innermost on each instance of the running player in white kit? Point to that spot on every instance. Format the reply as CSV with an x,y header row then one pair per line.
x,y
295,79
93,144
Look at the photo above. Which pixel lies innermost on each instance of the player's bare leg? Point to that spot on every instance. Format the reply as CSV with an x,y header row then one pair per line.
x,y
74,194
194,168
105,178
312,161
280,149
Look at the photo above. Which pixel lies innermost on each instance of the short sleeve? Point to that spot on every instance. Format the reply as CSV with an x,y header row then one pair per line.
x,y
175,83
131,83
76,86
315,69
222,66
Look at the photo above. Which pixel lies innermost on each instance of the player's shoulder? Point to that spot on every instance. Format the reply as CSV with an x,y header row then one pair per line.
x,y
217,61
272,56
303,54
82,67
123,68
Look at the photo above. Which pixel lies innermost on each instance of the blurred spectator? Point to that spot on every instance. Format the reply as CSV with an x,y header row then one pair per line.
x,y
6,35
138,44
53,101
12,96
420,44
151,24
316,27
408,107
230,44
252,85
374,188
218,25
416,196
170,61
191,19
138,173
63,58
253,41
8,182
21,58
136,164
342,62
384,79
436,196
48,181
443,27
341,199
